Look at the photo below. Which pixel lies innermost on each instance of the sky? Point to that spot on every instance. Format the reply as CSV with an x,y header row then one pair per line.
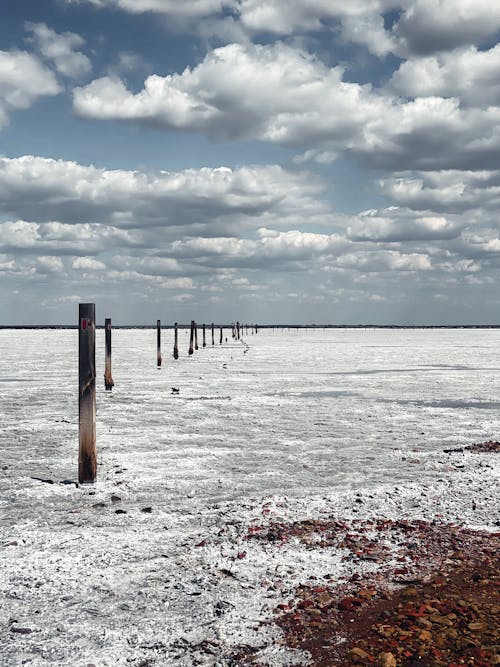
x,y
267,161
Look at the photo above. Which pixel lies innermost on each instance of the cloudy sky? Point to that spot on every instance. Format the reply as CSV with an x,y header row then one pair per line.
x,y
298,161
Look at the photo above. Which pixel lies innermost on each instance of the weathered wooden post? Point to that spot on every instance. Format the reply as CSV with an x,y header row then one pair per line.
x,y
108,379
191,338
87,457
204,339
233,330
220,336
256,329
237,330
195,336
158,342
246,329
176,347
213,335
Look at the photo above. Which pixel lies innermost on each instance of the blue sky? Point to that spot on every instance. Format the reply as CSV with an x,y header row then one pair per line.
x,y
314,161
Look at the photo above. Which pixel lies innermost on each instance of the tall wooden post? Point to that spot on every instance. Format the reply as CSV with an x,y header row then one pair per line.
x,y
176,347
246,329
213,335
204,339
195,336
220,336
191,338
256,329
87,457
108,379
158,342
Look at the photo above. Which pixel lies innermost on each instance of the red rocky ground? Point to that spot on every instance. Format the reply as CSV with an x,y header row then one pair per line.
x,y
430,599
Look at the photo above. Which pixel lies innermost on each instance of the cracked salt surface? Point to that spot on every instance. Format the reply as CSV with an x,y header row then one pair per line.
x,y
152,565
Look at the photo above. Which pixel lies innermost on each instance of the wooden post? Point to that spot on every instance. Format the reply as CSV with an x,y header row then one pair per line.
x,y
256,329
158,342
108,378
176,347
237,330
195,336
221,336
213,335
246,329
204,339
87,457
191,338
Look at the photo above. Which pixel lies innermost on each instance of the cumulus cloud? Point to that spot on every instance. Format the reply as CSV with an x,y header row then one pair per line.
x,y
49,264
286,96
60,238
430,26
61,50
401,226
424,27
23,79
194,9
448,190
468,74
88,264
385,260
207,199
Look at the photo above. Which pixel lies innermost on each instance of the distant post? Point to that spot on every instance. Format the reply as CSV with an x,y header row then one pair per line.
x,y
87,457
191,338
221,336
204,338
176,347
256,329
195,336
158,342
213,335
237,330
108,379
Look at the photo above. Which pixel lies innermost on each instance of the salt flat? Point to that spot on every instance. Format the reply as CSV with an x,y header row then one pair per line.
x,y
283,425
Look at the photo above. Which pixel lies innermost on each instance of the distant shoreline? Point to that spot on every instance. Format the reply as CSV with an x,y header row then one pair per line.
x,y
265,326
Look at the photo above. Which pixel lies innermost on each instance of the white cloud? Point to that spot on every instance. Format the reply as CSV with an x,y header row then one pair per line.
x,y
60,238
88,264
61,50
23,79
286,96
448,190
468,74
49,264
429,26
385,260
213,200
192,9
396,225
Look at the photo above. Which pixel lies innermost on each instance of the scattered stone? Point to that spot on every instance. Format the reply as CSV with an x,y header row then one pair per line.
x,y
120,511
146,510
20,630
115,499
387,660
490,446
